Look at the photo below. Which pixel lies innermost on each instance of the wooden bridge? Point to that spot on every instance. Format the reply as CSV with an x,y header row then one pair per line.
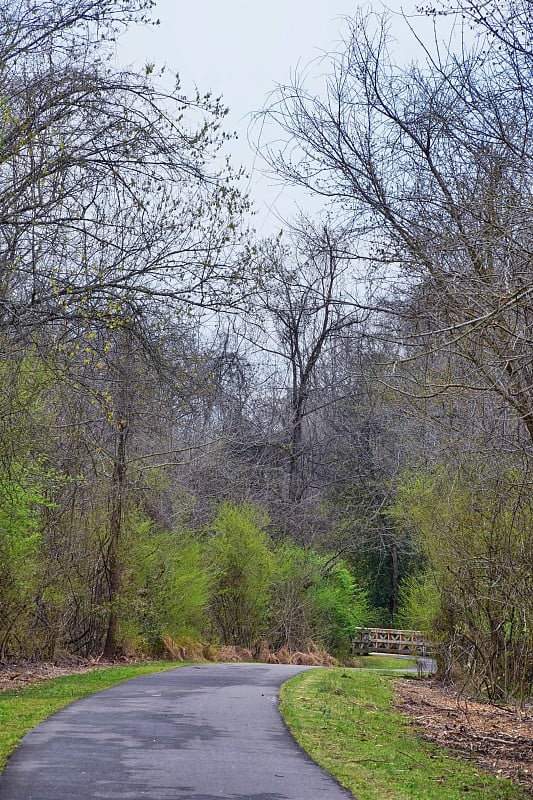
x,y
390,640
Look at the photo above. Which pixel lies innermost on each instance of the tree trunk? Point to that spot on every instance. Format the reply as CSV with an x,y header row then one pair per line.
x,y
115,530
295,459
395,577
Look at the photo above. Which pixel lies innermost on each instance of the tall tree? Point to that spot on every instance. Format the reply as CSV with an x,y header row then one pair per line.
x,y
433,164
109,190
306,304
510,23
118,216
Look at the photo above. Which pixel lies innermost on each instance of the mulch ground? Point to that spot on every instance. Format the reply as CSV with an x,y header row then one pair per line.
x,y
27,673
499,739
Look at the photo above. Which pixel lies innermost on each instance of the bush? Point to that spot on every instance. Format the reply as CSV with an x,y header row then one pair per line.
x,y
315,602
339,608
166,587
419,603
241,565
20,540
476,530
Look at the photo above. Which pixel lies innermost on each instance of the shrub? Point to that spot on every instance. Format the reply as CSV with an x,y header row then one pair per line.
x,y
241,565
165,587
476,532
315,600
339,607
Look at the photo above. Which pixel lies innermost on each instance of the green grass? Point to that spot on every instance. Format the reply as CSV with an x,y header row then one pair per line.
x,y
343,718
383,662
23,709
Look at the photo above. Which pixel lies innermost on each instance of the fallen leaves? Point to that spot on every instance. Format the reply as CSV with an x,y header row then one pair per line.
x,y
497,739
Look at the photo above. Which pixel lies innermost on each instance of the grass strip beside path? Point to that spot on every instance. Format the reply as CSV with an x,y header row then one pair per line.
x,y
387,663
23,709
343,718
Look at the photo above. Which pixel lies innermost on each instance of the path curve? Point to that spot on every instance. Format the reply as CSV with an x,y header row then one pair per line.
x,y
196,733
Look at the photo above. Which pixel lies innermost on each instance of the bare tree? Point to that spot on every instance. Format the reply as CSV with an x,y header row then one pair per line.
x,y
434,164
510,23
109,185
306,303
118,217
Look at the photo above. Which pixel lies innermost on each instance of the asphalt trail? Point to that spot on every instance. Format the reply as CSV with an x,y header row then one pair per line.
x,y
196,733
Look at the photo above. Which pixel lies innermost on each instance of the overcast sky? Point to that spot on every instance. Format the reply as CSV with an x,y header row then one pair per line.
x,y
241,49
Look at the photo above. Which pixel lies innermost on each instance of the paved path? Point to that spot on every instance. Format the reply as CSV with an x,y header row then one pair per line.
x,y
197,733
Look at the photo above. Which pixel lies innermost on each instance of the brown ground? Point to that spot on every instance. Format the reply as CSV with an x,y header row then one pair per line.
x,y
18,676
28,673
496,738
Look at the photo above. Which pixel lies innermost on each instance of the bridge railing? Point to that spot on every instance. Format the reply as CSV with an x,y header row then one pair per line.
x,y
390,640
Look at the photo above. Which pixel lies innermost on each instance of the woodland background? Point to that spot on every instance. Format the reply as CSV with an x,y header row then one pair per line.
x,y
205,435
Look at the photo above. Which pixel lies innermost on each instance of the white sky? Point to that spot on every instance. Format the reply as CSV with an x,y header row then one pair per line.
x,y
241,49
